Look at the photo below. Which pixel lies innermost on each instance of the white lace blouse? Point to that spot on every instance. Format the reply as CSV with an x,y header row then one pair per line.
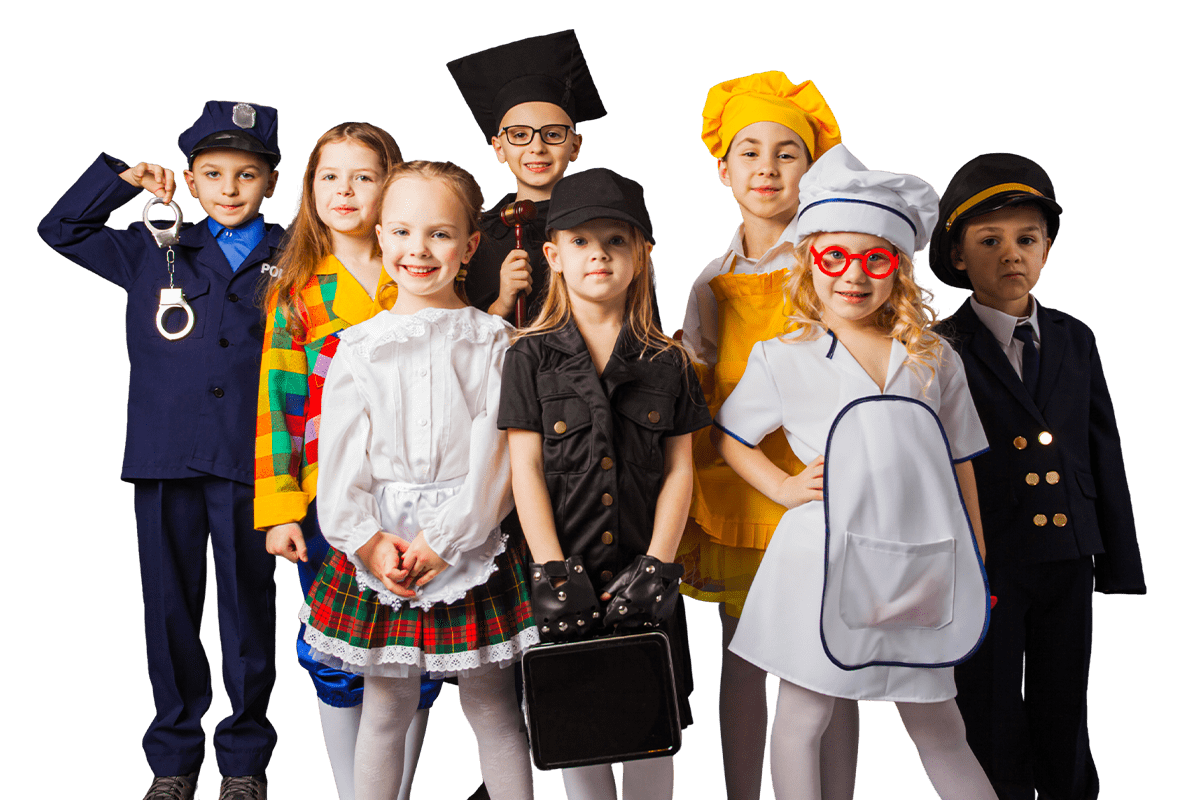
x,y
412,400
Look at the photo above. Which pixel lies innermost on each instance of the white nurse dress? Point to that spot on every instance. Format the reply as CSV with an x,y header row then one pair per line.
x,y
802,386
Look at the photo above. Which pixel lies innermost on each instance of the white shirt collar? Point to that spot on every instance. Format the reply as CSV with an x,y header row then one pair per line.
x,y
787,240
1002,325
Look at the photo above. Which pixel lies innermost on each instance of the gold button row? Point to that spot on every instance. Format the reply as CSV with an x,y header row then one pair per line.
x,y
1033,479
1060,520
1045,437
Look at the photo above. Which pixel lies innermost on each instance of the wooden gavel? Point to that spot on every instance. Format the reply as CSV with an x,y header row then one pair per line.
x,y
516,216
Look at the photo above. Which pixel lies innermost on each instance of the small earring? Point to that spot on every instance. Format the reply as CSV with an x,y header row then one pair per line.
x,y
462,274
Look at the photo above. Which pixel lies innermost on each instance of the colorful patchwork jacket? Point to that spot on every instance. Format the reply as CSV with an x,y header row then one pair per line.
x,y
290,381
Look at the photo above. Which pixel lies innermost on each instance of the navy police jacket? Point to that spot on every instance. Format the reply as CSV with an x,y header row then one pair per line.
x,y
1052,487
602,436
192,401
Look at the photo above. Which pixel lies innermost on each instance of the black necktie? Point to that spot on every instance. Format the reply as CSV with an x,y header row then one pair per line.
x,y
1029,356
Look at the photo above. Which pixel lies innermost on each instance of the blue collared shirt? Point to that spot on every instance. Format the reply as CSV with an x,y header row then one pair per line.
x,y
236,243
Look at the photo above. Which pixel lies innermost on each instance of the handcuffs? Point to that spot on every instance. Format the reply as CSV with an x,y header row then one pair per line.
x,y
170,297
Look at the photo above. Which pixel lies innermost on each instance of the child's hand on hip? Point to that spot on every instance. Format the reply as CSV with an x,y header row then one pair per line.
x,y
157,180
287,540
381,554
420,564
809,485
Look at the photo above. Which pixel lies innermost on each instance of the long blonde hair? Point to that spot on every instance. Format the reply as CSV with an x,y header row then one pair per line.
x,y
308,240
639,303
460,183
905,316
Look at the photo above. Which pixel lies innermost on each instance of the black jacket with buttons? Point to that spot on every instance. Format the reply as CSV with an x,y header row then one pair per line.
x,y
602,436
1052,487
192,401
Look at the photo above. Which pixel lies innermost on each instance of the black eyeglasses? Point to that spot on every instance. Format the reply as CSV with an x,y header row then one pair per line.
x,y
523,134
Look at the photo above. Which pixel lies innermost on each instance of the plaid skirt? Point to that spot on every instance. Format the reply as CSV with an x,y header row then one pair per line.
x,y
349,629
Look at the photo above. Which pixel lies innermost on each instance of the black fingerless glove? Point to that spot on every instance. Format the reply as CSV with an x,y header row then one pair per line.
x,y
644,593
564,612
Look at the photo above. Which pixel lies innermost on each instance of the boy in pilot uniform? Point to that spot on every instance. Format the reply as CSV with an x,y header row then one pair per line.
x,y
1052,489
190,435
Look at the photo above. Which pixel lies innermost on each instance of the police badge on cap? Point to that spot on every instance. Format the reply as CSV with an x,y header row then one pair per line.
x,y
238,126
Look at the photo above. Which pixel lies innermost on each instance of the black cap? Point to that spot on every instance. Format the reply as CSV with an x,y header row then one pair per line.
x,y
238,126
984,184
547,69
597,194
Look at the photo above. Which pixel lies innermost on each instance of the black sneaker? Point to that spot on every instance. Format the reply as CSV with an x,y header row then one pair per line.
x,y
173,787
243,787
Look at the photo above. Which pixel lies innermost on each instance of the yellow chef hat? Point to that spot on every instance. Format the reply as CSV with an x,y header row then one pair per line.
x,y
768,96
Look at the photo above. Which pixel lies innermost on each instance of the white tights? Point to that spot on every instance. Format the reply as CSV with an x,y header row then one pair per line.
x,y
340,729
490,704
935,728
743,711
645,779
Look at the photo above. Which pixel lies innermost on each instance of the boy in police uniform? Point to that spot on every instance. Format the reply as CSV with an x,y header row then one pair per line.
x,y
1052,489
190,438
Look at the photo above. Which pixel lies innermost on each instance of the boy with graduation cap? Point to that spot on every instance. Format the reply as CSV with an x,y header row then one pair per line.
x,y
1052,490
527,98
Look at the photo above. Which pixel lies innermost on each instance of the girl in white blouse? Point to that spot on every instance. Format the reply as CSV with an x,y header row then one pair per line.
x,y
413,484
863,331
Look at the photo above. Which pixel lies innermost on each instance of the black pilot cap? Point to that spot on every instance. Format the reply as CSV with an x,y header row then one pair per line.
x,y
597,194
547,69
985,184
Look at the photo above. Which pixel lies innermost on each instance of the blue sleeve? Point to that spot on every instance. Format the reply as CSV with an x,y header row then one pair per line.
x,y
75,226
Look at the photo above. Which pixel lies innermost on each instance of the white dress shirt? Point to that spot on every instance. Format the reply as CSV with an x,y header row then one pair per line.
x,y
1002,326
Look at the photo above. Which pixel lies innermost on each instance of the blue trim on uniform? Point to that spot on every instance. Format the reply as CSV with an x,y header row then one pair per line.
x,y
973,455
907,221
730,433
987,616
832,345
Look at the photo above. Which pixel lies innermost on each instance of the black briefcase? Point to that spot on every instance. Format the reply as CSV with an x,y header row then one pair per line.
x,y
601,700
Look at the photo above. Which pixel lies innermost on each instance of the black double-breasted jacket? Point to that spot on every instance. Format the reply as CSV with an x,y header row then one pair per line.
x,y
602,436
1052,487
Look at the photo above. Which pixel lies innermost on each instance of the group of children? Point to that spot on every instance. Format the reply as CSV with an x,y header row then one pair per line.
x,y
376,337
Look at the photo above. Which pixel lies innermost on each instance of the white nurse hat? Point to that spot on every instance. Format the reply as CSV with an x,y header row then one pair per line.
x,y
840,194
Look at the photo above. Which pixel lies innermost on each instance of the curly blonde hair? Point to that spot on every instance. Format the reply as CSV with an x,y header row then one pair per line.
x,y
905,316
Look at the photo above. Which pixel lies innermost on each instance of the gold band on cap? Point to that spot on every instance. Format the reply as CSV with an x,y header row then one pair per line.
x,y
976,199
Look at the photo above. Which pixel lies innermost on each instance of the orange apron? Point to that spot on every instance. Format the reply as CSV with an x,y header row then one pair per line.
x,y
730,524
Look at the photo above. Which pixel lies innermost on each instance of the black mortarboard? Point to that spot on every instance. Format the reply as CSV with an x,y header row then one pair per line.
x,y
547,69
985,184
238,126
598,194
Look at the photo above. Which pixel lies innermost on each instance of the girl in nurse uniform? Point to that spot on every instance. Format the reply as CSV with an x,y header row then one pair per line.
x,y
863,329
